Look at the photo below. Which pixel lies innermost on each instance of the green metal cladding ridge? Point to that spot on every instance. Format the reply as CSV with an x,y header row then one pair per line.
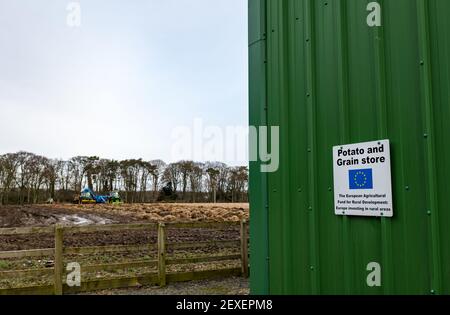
x,y
259,246
321,73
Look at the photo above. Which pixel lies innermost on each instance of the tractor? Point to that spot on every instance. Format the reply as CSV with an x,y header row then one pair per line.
x,y
114,197
87,196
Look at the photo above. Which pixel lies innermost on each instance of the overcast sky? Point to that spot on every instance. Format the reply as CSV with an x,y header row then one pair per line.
x,y
121,82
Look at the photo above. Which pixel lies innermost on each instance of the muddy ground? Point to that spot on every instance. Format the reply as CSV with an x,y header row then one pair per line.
x,y
25,242
81,215
47,215
68,214
76,215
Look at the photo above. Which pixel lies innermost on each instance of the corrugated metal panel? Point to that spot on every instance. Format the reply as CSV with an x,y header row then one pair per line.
x,y
259,250
327,78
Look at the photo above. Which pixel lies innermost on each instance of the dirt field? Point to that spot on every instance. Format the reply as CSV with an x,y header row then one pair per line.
x,y
68,214
45,215
76,215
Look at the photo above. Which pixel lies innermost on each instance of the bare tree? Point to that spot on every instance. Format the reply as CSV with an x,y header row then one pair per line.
x,y
196,178
213,175
10,164
172,175
185,168
29,178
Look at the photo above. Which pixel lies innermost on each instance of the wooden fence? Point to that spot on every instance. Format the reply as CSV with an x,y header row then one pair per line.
x,y
161,277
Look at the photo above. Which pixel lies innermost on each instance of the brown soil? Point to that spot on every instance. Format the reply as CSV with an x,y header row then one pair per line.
x,y
24,242
67,214
46,215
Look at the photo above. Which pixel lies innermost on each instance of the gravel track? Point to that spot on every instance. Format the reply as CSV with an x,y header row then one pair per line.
x,y
227,286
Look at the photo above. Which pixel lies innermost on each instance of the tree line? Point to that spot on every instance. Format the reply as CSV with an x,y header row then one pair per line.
x,y
27,178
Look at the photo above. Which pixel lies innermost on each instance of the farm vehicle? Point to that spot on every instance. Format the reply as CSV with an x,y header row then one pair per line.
x,y
87,196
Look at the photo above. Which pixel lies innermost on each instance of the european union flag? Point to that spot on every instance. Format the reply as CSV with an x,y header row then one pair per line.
x,y
361,179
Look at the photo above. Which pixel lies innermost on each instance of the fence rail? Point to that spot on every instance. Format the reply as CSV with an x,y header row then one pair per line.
x,y
161,277
27,230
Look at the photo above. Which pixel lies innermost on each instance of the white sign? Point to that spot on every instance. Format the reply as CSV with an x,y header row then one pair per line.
x,y
362,179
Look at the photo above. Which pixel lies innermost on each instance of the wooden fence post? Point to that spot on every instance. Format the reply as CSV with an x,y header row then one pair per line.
x,y
244,248
162,254
59,265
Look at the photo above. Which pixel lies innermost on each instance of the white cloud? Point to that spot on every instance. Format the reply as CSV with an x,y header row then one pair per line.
x,y
120,83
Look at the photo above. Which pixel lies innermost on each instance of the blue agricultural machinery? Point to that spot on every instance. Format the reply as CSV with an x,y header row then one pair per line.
x,y
87,196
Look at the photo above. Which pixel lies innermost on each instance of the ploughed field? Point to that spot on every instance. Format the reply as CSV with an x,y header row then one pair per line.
x,y
81,215
68,214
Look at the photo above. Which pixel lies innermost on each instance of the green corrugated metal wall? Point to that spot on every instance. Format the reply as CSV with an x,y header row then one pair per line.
x,y
326,78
